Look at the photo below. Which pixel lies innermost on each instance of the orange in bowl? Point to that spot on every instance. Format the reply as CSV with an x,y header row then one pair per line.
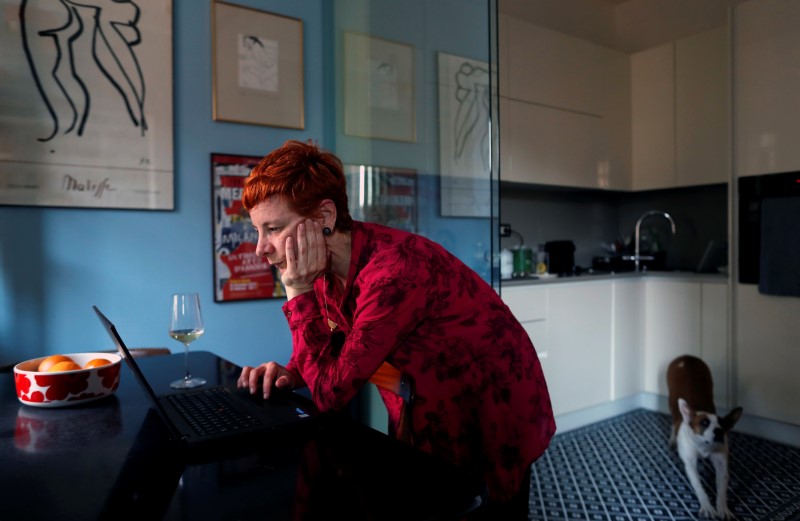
x,y
66,365
52,360
67,384
96,362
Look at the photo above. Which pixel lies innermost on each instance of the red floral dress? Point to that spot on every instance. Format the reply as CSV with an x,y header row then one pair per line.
x,y
481,397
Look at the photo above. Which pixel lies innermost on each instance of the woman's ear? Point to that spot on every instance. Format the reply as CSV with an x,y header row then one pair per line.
x,y
328,210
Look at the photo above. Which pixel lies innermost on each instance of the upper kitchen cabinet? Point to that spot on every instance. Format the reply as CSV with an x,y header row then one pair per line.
x,y
564,114
553,69
767,79
680,112
639,99
702,108
652,117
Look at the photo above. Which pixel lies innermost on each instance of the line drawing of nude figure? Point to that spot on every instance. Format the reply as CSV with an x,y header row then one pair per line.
x,y
472,118
54,39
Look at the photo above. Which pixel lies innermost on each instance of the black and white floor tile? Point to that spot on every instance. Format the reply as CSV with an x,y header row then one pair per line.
x,y
624,469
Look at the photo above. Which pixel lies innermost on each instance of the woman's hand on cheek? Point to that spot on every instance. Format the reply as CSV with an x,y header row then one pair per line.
x,y
306,258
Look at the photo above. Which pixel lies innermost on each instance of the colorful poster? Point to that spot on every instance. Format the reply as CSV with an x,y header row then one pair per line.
x,y
239,274
383,195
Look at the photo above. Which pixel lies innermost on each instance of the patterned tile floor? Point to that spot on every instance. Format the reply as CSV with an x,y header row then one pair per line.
x,y
624,469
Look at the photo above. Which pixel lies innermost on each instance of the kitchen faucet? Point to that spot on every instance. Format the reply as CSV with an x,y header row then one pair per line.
x,y
636,255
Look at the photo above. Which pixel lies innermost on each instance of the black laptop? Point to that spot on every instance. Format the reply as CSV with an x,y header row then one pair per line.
x,y
216,415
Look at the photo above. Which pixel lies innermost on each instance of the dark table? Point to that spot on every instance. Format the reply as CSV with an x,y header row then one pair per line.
x,y
113,459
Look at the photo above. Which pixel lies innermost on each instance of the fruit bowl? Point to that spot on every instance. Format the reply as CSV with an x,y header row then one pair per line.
x,y
66,388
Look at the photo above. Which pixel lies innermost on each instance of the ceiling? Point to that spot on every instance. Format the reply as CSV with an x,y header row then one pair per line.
x,y
625,25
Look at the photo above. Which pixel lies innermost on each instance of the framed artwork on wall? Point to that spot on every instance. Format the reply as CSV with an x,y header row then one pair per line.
x,y
464,138
86,105
239,274
383,195
257,67
378,88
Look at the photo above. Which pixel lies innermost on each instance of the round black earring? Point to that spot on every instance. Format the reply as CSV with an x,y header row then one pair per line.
x,y
326,231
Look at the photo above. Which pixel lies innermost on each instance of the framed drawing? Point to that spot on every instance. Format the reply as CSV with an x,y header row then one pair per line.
x,y
86,105
257,67
378,88
464,139
239,274
383,195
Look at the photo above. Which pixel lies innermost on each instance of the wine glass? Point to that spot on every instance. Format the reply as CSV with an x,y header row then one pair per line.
x,y
186,326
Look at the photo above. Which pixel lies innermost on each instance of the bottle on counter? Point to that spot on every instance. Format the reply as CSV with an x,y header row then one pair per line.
x,y
541,261
506,264
523,261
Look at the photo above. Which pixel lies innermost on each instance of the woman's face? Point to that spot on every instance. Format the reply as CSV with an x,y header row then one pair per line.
x,y
274,222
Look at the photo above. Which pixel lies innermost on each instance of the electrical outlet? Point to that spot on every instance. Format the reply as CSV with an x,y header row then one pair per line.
x,y
505,230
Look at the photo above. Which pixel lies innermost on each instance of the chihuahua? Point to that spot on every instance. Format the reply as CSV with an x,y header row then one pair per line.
x,y
698,431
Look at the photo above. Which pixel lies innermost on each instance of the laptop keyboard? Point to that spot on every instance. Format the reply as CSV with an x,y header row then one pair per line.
x,y
212,411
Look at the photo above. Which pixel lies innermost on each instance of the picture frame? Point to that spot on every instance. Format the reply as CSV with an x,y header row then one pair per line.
x,y
91,108
464,139
379,88
239,274
257,67
383,195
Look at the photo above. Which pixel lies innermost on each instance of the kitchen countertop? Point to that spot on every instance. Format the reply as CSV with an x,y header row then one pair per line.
x,y
606,276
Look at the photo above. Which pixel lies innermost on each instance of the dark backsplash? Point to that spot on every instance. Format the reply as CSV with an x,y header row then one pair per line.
x,y
592,217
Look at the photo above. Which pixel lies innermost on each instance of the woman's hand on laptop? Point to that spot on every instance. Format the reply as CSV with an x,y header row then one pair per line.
x,y
271,374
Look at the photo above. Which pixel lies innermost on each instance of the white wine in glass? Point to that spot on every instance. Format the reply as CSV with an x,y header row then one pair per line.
x,y
186,326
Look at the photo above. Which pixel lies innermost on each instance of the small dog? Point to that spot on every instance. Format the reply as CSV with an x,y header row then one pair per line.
x,y
698,431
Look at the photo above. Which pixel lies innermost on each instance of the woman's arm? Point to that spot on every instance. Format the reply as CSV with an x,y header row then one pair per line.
x,y
390,303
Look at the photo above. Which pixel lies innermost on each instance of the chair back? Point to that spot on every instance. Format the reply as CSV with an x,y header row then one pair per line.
x,y
391,379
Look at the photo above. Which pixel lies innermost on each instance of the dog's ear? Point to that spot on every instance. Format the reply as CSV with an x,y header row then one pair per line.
x,y
730,420
686,412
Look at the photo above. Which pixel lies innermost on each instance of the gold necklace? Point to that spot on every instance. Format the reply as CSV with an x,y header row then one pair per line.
x,y
331,324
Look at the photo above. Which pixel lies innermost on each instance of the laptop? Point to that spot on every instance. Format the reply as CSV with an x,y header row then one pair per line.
x,y
216,415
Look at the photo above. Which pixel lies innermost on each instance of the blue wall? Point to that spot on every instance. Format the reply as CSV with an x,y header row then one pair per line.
x,y
57,263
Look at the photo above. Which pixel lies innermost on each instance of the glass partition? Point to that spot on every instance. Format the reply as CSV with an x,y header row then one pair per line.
x,y
412,84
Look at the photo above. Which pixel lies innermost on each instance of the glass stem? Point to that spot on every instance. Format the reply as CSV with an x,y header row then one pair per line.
x,y
186,362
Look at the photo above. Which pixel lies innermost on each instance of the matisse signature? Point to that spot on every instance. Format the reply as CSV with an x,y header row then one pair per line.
x,y
99,188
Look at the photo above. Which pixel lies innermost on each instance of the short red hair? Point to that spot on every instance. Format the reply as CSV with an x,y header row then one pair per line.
x,y
302,175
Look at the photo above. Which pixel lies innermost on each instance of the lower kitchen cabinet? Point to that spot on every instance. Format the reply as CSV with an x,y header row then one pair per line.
x,y
685,317
714,339
672,327
602,340
627,355
529,306
579,337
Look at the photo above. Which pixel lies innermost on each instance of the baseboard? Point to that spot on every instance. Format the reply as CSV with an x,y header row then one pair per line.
x,y
780,432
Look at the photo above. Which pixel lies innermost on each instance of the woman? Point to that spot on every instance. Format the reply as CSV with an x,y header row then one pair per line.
x,y
360,294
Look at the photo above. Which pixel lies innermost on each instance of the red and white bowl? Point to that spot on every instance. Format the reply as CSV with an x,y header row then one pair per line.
x,y
64,388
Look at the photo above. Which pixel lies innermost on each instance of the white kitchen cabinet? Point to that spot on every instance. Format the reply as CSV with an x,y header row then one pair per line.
x,y
603,340
680,116
767,79
672,318
627,346
564,109
570,326
702,108
547,145
653,118
767,103
714,339
579,345
529,306
553,69
685,317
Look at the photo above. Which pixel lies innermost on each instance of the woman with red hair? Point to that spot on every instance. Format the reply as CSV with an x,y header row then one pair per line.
x,y
360,295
